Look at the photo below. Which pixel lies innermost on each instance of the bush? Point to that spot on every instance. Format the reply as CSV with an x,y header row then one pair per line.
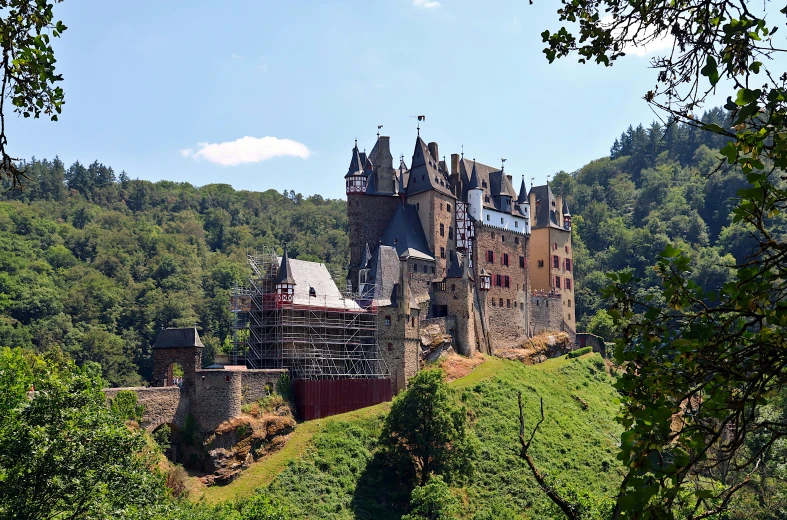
x,y
579,352
176,480
284,387
125,406
433,501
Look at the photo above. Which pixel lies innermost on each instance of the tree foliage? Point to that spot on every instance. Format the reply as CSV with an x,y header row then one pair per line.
x,y
427,433
433,501
700,362
63,452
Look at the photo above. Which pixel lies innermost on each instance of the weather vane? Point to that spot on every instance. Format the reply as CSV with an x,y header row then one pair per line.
x,y
504,164
420,118
378,130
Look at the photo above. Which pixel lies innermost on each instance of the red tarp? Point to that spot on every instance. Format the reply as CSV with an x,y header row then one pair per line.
x,y
323,397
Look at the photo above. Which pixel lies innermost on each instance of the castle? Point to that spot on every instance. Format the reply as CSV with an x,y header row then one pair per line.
x,y
458,249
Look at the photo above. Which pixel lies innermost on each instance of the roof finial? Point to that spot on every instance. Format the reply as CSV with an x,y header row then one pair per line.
x,y
532,182
463,151
502,168
378,131
356,143
420,118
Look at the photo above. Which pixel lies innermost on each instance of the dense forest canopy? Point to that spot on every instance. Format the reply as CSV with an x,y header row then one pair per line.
x,y
96,263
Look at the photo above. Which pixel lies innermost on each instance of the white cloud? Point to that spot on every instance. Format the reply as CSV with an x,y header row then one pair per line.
x,y
426,4
247,150
237,56
659,43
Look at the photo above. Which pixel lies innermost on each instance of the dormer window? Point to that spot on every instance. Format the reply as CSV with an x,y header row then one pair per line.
x,y
483,184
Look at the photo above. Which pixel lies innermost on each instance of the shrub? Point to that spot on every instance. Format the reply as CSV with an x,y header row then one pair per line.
x,y
125,406
284,387
176,480
579,352
433,501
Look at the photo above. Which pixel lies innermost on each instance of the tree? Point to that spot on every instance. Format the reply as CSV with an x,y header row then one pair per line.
x,y
28,68
433,501
63,452
426,431
697,376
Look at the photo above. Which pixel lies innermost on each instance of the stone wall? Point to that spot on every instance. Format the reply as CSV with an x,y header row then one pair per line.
x,y
505,308
399,344
434,209
256,384
163,405
215,397
367,217
546,315
189,358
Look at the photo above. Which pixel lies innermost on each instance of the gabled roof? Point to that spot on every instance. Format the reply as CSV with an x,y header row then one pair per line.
x,y
405,232
384,274
356,163
178,337
496,182
314,275
457,267
285,270
424,172
545,213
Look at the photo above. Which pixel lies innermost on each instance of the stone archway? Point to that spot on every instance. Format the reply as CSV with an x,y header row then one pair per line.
x,y
170,442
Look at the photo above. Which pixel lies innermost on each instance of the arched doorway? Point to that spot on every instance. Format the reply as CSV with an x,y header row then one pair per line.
x,y
168,437
173,375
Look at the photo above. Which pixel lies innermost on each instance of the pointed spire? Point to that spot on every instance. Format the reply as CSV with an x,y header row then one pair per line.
x,y
285,271
356,164
522,192
474,184
564,209
367,257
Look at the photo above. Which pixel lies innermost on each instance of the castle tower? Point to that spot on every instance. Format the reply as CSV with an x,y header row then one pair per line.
x,y
176,346
552,264
371,201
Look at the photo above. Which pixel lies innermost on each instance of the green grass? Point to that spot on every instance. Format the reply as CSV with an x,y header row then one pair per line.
x,y
329,469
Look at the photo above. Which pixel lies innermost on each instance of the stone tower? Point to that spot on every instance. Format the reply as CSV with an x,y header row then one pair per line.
x,y
176,345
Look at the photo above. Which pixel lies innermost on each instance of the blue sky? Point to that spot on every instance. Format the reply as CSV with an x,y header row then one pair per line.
x,y
148,83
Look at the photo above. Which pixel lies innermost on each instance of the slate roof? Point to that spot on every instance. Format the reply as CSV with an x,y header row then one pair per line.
x,y
522,198
384,274
356,163
565,209
545,214
425,173
308,275
495,179
284,275
178,337
404,232
457,267
367,256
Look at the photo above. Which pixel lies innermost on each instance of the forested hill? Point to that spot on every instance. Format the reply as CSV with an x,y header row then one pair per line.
x,y
96,263
658,186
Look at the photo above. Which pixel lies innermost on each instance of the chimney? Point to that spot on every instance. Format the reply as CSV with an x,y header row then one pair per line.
x,y
454,163
433,151
559,206
385,146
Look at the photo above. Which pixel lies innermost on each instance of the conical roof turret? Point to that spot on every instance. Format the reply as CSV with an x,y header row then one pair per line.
x,y
564,209
522,199
356,163
285,271
473,185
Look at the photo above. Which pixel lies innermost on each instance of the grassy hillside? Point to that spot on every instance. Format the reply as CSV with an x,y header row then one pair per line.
x,y
330,469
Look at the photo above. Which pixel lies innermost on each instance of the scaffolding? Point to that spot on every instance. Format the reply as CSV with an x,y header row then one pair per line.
x,y
318,340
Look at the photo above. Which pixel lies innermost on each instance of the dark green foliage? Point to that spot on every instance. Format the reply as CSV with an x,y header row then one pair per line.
x,y
63,452
257,507
99,272
427,433
579,352
125,406
433,501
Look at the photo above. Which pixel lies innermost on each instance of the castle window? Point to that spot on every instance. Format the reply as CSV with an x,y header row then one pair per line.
x,y
505,259
501,302
516,240
441,206
486,198
450,233
516,224
487,216
569,317
508,304
442,252
522,262
448,208
387,321
537,304
490,256
566,248
442,230
502,237
569,301
568,264
501,220
554,246
494,304
522,306
507,281
540,263
453,287
556,262
557,282
493,234
227,379
499,281
568,284
390,347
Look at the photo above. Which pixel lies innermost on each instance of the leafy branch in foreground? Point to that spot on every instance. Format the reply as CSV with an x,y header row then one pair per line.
x,y
28,69
699,372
